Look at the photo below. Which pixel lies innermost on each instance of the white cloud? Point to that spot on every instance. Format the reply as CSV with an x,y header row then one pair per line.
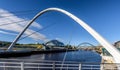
x,y
7,17
4,32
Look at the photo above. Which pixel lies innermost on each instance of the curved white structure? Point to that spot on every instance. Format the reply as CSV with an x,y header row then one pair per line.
x,y
110,48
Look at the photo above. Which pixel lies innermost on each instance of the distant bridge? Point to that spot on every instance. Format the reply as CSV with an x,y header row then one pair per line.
x,y
85,44
110,48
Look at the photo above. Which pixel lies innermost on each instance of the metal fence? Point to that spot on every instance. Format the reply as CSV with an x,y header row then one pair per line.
x,y
19,64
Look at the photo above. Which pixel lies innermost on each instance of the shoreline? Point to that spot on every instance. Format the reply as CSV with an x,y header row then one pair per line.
x,y
7,54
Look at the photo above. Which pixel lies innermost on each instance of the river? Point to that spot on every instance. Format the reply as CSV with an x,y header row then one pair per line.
x,y
73,56
76,56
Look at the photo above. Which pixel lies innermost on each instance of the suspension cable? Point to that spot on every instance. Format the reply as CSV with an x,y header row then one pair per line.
x,y
67,49
13,23
19,21
21,11
25,12
37,31
16,14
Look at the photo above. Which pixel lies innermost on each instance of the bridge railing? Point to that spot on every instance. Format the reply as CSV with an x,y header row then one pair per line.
x,y
53,65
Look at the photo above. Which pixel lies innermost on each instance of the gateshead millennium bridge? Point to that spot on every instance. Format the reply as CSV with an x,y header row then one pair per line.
x,y
110,48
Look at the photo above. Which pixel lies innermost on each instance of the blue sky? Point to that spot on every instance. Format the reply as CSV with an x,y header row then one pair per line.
x,y
101,15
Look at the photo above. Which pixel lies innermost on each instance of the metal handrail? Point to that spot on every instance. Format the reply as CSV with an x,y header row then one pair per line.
x,y
52,65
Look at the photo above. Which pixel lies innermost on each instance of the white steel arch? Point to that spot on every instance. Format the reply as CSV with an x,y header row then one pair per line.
x,y
110,48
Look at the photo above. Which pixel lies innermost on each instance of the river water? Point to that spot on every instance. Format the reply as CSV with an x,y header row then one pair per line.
x,y
76,56
73,56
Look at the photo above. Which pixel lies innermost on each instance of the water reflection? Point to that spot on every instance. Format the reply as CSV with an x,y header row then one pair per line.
x,y
77,56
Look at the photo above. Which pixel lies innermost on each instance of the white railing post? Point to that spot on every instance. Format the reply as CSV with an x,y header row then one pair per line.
x,y
38,66
102,65
22,65
91,67
80,66
4,66
53,65
67,67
